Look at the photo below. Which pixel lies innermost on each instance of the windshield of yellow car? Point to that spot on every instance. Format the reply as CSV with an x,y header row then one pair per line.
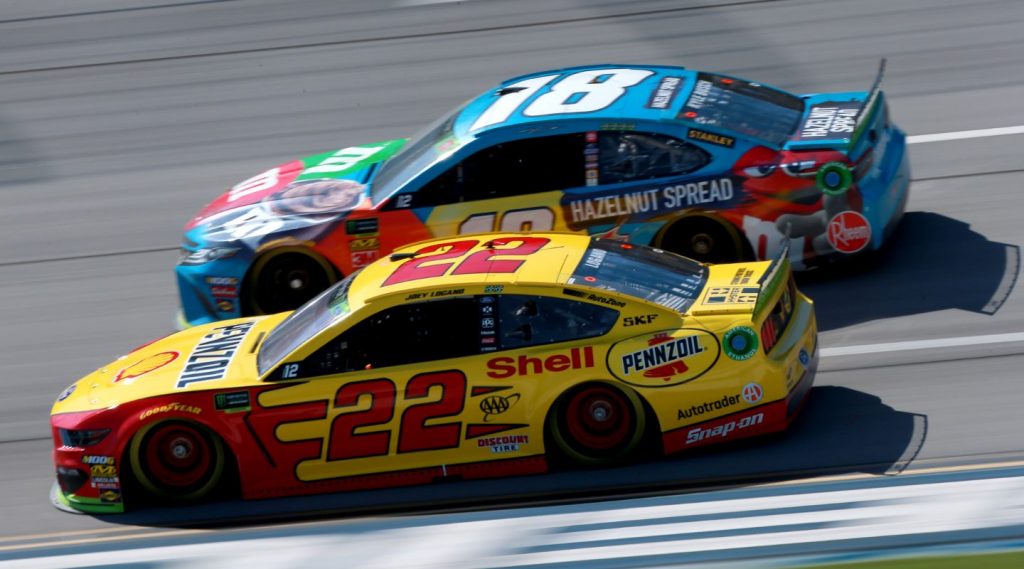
x,y
323,311
670,280
431,144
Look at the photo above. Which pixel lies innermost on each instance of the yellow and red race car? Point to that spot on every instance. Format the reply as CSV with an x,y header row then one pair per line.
x,y
474,356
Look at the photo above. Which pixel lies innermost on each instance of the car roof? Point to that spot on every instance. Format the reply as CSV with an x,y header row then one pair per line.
x,y
553,258
631,107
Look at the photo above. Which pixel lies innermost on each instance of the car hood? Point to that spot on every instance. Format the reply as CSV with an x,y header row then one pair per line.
x,y
212,356
320,186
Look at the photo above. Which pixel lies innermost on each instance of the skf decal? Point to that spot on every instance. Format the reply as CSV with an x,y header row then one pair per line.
x,y
660,359
211,356
497,404
506,366
711,138
639,320
146,365
169,408
503,444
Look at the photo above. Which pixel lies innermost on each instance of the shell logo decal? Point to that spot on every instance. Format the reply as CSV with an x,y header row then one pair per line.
x,y
661,359
146,365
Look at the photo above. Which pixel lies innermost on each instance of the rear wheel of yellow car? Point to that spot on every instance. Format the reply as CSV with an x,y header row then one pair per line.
x,y
704,239
285,280
596,424
177,460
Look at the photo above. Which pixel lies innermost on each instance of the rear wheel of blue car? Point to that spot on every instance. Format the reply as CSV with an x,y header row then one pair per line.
x,y
286,280
596,424
704,239
177,460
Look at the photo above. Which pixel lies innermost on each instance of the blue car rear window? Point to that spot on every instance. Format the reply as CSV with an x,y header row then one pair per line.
x,y
743,107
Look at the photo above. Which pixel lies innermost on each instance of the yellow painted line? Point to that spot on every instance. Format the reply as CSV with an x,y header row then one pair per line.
x,y
32,537
25,546
929,470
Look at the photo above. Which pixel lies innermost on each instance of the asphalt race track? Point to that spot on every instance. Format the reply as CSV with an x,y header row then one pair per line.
x,y
119,119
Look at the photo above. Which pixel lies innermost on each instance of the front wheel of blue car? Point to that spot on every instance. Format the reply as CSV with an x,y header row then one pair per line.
x,y
704,239
286,280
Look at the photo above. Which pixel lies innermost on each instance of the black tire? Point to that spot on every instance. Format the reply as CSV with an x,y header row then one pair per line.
x,y
595,424
285,281
704,239
177,460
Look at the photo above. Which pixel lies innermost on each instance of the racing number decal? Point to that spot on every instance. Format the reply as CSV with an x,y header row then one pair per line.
x,y
581,92
533,219
481,262
414,434
344,442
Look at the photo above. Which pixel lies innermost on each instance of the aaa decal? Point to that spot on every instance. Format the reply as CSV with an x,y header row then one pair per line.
x,y
660,359
146,365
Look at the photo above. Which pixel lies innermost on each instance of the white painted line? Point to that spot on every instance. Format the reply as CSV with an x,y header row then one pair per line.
x,y
922,344
409,3
963,134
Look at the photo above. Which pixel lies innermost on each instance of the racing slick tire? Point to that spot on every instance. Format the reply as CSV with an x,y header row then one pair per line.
x,y
597,423
285,279
177,460
704,239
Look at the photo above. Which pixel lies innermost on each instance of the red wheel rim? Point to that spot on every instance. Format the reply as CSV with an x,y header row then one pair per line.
x,y
599,418
178,456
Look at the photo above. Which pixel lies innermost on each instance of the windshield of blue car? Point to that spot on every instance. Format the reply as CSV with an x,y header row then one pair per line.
x,y
420,152
651,274
743,107
326,309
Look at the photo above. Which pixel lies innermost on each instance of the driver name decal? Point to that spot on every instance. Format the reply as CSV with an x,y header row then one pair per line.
x,y
211,356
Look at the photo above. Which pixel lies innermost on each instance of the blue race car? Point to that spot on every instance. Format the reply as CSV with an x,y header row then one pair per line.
x,y
708,165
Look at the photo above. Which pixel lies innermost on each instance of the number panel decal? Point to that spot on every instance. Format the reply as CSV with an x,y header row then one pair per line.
x,y
480,262
580,92
344,443
415,434
483,262
416,269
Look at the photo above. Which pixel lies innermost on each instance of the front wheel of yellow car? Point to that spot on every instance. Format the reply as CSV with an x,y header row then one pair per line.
x,y
177,460
596,424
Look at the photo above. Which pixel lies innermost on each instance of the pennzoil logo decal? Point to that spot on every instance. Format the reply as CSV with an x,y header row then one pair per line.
x,y
210,358
665,358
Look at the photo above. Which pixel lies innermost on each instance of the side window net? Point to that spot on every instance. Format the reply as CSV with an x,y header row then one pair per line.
x,y
630,156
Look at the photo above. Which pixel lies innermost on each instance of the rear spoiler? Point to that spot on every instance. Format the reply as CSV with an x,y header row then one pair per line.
x,y
728,290
838,119
777,275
